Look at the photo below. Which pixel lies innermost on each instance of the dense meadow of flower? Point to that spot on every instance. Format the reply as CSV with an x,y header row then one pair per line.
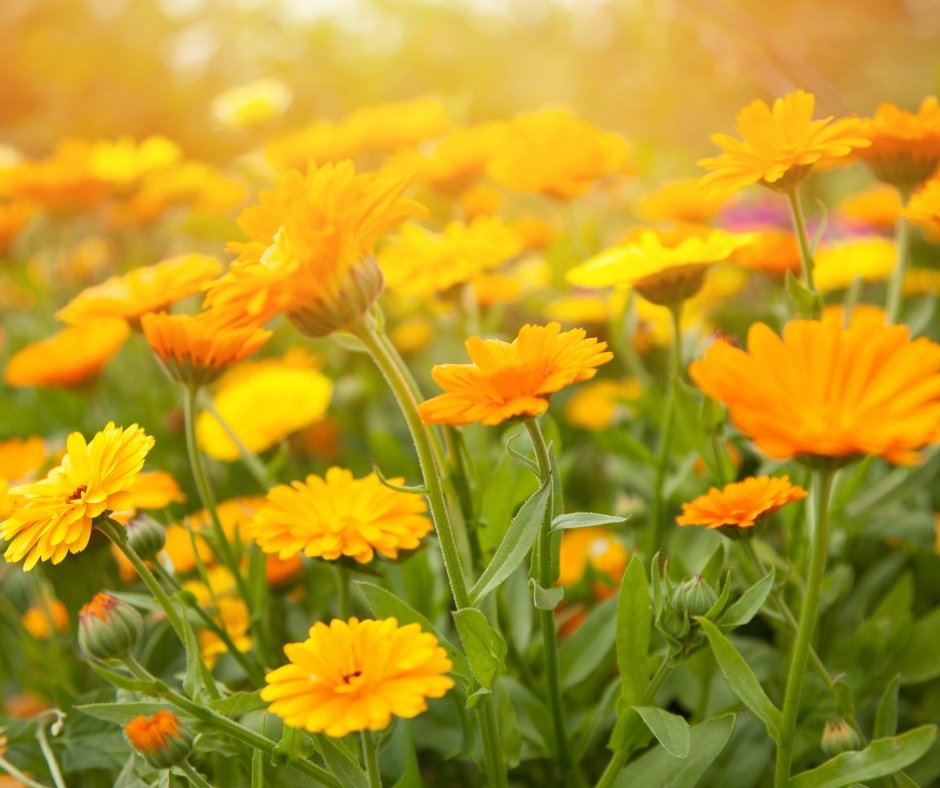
x,y
415,449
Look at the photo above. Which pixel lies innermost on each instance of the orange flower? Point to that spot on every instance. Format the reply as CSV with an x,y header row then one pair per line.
x,y
194,350
355,675
42,620
143,290
64,182
681,201
513,379
924,207
773,252
827,391
163,740
779,145
14,216
875,209
72,356
741,504
904,146
595,547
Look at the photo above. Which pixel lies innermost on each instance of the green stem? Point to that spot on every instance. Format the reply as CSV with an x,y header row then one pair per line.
x,y
895,298
47,753
342,591
675,312
226,726
819,544
547,617
799,224
16,774
192,775
371,757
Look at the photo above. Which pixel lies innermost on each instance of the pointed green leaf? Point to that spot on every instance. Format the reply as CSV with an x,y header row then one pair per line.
x,y
589,645
485,648
239,703
341,763
634,623
545,598
886,718
670,730
749,604
808,302
584,520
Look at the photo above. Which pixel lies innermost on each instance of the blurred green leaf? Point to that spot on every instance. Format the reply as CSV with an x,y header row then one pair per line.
x,y
749,604
584,520
239,703
919,662
590,645
886,718
634,623
545,598
808,303
670,730
340,762
485,648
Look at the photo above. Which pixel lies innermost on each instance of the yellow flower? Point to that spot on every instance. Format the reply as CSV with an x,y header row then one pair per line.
x,y
461,157
355,675
72,356
595,547
243,400
904,146
322,143
595,406
922,281
779,145
536,232
63,183
395,125
681,201
512,379
234,617
53,517
924,207
194,350
876,209
660,273
234,516
251,104
193,183
155,490
412,334
741,504
179,550
141,290
555,153
872,259
862,314
340,516
773,252
20,458
481,200
309,247
421,263
122,162
14,216
42,620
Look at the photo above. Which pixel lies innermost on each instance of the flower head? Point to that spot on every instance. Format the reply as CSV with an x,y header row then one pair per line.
x,y
340,516
309,249
44,619
194,350
163,740
681,201
779,145
508,379
53,517
773,252
741,504
872,259
461,157
904,147
251,104
877,208
593,547
355,675
108,627
924,207
142,290
824,391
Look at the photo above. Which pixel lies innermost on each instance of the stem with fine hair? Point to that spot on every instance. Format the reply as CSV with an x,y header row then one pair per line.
x,y
819,544
547,617
902,232
371,757
799,224
192,775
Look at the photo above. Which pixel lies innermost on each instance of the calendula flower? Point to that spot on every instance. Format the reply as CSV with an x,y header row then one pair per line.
x,y
234,515
595,547
422,263
874,209
14,216
20,458
535,232
42,620
53,517
69,357
664,274
778,146
355,675
64,182
340,516
279,572
922,281
155,490
123,162
773,252
395,125
508,379
596,405
681,201
904,147
412,334
195,184
108,628
309,248
322,142
251,104
461,157
870,259
481,200
234,617
555,153
163,740
141,290
861,314
924,207
741,504
243,399
825,391
178,551
194,349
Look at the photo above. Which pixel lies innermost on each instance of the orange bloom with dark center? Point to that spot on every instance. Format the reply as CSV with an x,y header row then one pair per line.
x,y
822,390
741,504
905,146
508,379
194,349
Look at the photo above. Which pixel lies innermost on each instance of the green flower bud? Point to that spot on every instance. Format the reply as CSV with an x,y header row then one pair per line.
x,y
163,739
694,597
108,627
146,536
838,736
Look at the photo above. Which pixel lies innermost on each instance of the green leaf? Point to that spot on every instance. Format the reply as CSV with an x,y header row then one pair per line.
x,y
897,484
121,713
515,545
723,595
741,678
661,769
589,645
880,758
411,775
239,703
919,661
341,763
385,604
886,718
711,572
808,302
749,604
584,520
634,624
545,598
474,698
670,730
485,648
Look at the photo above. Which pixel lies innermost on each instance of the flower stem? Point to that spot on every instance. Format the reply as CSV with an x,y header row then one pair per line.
x,y
547,617
342,591
16,774
47,753
371,757
799,224
192,775
251,461
902,233
819,544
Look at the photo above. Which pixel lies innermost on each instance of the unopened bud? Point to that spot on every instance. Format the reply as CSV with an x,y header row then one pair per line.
x,y
163,739
146,536
838,736
694,597
108,627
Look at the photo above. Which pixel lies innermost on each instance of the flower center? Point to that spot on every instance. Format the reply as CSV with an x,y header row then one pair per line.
x,y
348,677
77,493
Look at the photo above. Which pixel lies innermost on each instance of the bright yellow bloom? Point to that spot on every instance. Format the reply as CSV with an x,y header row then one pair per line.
x,y
53,517
922,281
412,334
309,247
20,458
773,252
155,490
596,405
320,143
399,124
779,145
42,620
661,273
904,146
741,504
194,350
251,104
681,201
123,161
421,263
872,259
243,400
14,216
875,209
481,200
827,391
867,314
353,676
64,182
578,309
145,289
235,618
461,157
555,153
924,207
69,357
536,232
179,550
189,183
508,379
595,547
340,516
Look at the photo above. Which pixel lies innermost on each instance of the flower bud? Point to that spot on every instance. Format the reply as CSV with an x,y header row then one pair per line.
x,y
838,736
146,536
108,627
163,740
361,287
694,597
